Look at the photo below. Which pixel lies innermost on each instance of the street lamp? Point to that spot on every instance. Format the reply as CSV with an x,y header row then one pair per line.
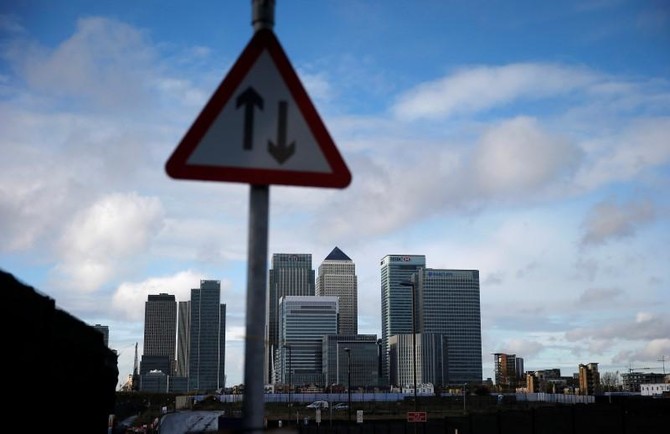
x,y
348,350
411,283
464,387
288,421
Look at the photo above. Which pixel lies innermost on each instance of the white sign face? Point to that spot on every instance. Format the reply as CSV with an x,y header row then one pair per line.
x,y
263,103
359,416
260,127
318,415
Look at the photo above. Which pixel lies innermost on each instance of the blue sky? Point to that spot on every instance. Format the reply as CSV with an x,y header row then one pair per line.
x,y
528,140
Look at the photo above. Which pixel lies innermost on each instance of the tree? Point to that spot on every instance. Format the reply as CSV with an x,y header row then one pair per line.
x,y
610,381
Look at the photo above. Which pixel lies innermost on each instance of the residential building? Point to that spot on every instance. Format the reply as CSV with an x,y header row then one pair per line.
x,y
519,370
547,380
396,301
632,381
207,340
532,383
290,274
303,323
505,371
589,379
656,390
337,277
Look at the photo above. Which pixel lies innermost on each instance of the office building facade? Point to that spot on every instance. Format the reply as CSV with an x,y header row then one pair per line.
x,y
303,323
160,334
431,357
337,277
105,332
351,356
290,274
207,339
449,305
183,337
396,300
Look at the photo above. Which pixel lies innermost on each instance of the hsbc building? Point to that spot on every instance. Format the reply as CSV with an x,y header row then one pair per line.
x,y
396,300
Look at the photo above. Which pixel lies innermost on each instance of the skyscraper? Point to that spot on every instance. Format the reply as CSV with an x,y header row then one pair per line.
x,y
105,332
396,300
183,337
207,338
303,323
290,274
337,277
160,334
449,304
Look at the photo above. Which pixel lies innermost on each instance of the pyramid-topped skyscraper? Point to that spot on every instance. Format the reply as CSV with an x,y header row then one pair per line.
x,y
337,277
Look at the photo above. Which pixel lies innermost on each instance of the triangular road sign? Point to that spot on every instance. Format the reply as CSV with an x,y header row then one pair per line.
x,y
260,127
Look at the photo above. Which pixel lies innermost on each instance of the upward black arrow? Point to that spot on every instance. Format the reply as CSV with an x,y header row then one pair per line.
x,y
249,98
281,152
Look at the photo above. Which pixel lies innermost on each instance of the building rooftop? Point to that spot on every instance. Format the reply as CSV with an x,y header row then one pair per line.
x,y
337,255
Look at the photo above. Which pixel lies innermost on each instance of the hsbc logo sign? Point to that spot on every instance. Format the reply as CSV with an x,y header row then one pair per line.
x,y
400,259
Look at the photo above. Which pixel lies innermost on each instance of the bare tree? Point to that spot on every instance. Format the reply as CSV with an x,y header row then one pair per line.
x,y
610,381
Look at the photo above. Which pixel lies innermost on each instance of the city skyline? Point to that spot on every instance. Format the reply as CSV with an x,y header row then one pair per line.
x,y
526,141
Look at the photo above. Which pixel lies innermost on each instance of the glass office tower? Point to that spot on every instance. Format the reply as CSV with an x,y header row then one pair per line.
x,y
449,304
291,274
396,300
160,334
303,323
207,338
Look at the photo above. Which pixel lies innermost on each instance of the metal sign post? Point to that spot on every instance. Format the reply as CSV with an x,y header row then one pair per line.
x,y
228,142
254,393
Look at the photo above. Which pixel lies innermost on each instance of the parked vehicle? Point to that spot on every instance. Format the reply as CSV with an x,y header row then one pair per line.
x,y
318,404
341,406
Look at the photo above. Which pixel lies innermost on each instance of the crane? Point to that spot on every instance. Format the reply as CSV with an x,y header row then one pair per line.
x,y
646,368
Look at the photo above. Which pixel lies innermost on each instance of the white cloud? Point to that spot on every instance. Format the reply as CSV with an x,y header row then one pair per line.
x,y
518,157
471,90
129,298
646,326
650,352
105,62
626,152
111,231
611,220
524,348
597,296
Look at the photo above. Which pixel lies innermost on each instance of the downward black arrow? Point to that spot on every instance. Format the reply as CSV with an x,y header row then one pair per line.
x,y
249,98
281,152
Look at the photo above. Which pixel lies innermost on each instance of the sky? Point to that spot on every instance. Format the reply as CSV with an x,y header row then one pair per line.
x,y
527,140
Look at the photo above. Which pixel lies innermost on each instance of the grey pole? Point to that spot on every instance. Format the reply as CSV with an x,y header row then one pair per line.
x,y
263,14
254,362
348,350
288,421
465,385
259,200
